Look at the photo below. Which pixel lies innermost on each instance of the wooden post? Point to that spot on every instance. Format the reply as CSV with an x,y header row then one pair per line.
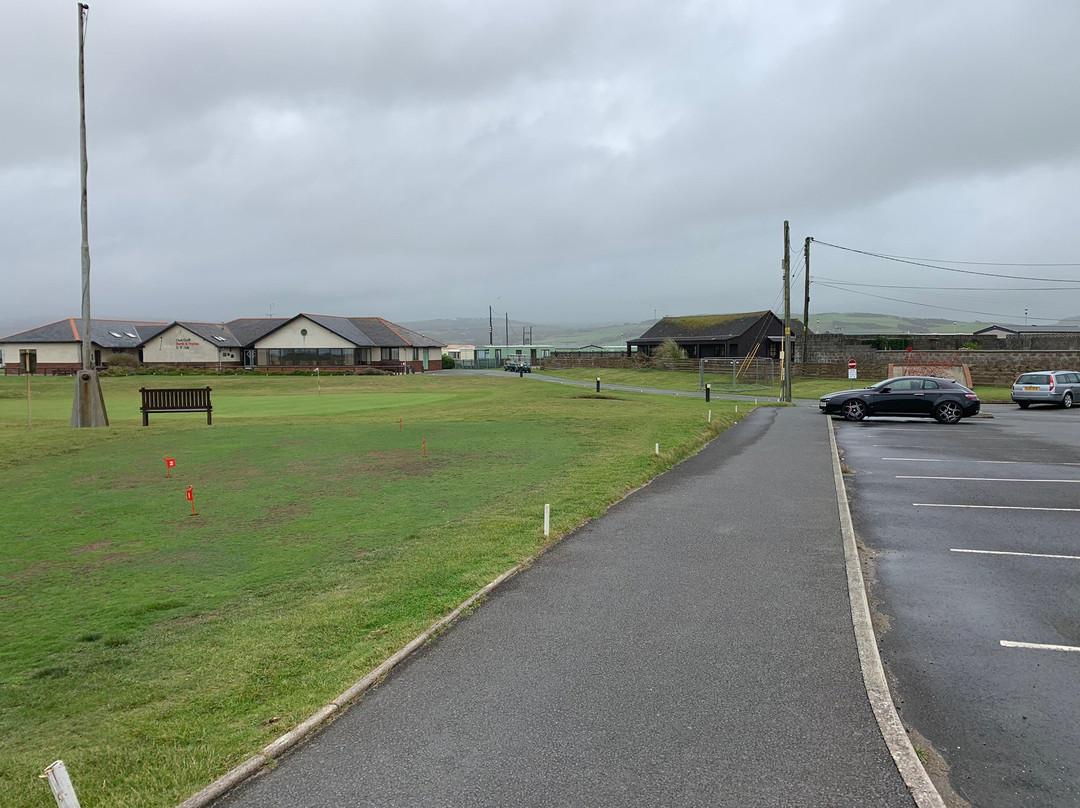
x,y
785,367
806,301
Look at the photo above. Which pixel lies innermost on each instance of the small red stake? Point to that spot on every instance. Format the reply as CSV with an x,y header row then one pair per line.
x,y
423,445
400,424
191,499
170,464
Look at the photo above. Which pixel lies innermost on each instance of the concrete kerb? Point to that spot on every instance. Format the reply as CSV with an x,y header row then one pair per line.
x,y
254,764
877,689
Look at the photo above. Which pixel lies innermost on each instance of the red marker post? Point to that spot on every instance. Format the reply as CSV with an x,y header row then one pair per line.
x,y
170,464
400,424
191,499
423,445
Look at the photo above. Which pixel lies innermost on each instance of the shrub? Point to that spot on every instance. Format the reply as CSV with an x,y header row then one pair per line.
x,y
668,350
447,361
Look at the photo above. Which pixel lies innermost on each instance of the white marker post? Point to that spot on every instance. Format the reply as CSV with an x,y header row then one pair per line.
x,y
710,416
61,786
547,520
658,450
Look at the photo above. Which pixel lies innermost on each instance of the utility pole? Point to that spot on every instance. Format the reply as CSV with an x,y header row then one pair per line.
x,y
491,330
785,366
88,408
507,329
806,301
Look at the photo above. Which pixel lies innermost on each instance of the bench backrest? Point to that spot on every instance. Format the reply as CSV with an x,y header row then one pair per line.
x,y
188,398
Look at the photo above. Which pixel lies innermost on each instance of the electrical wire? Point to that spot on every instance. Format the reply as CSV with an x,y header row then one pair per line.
x,y
837,281
954,269
930,305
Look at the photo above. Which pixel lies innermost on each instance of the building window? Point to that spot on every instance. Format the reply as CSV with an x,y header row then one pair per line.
x,y
390,354
307,357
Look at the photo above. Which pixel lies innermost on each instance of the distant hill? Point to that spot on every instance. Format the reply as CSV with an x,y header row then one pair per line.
x,y
865,323
474,331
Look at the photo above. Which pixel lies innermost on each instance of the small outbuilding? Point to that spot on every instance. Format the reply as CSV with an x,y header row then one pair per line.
x,y
704,336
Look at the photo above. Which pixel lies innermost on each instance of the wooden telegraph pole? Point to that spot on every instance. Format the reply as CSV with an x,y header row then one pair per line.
x,y
88,408
785,351
806,301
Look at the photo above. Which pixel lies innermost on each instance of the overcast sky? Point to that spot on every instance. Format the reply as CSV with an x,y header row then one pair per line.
x,y
560,160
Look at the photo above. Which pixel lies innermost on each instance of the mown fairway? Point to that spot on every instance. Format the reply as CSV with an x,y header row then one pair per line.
x,y
152,650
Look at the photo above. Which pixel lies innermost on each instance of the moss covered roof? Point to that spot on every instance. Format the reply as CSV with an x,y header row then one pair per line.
x,y
704,326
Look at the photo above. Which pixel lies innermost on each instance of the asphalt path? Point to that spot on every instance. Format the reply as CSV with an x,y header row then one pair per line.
x,y
715,392
692,647
974,529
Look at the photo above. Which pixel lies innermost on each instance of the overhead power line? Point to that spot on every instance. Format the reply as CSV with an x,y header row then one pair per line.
x,y
839,282
919,263
930,305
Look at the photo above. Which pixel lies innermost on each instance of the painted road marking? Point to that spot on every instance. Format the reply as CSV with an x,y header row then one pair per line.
x,y
993,462
983,479
1035,646
992,507
1009,553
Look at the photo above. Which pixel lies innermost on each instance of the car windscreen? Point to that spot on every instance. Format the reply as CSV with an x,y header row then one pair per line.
x,y
1034,378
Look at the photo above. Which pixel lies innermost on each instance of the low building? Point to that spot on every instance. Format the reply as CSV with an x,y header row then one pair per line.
x,y
56,348
757,333
498,355
303,341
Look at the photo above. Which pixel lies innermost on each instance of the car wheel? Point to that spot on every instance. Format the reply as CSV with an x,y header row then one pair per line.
x,y
853,410
948,412
1024,404
1066,401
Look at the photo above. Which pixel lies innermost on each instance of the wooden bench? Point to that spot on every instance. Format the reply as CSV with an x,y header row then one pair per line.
x,y
189,399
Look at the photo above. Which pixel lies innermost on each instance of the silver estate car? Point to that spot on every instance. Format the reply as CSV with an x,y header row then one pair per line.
x,y
1060,387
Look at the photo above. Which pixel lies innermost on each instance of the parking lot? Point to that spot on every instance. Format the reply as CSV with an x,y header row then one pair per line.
x,y
974,533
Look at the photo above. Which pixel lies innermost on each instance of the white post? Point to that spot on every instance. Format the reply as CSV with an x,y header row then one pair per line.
x,y
710,416
547,520
658,450
736,408
61,786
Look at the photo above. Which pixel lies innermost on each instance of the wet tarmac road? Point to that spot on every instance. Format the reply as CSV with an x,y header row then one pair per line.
x,y
976,529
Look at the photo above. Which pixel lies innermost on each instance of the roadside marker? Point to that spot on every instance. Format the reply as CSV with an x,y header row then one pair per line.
x,y
547,520
191,499
60,783
658,450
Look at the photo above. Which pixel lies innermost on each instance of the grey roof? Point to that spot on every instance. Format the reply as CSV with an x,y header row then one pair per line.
x,y
113,334
343,327
249,330
391,335
214,333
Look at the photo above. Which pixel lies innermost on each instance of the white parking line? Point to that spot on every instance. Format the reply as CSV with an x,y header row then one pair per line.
x,y
1035,646
983,479
992,507
1010,553
991,462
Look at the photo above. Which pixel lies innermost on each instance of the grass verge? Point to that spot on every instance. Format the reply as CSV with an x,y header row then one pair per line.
x,y
153,650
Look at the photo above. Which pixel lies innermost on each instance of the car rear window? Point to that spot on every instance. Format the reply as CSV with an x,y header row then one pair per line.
x,y
1034,378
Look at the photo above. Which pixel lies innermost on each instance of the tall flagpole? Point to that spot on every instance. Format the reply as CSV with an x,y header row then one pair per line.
x,y
88,409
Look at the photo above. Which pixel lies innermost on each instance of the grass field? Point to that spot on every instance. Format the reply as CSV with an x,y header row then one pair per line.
x,y
153,650
721,383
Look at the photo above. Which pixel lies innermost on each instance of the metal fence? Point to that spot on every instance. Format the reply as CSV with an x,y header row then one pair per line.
x,y
737,373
